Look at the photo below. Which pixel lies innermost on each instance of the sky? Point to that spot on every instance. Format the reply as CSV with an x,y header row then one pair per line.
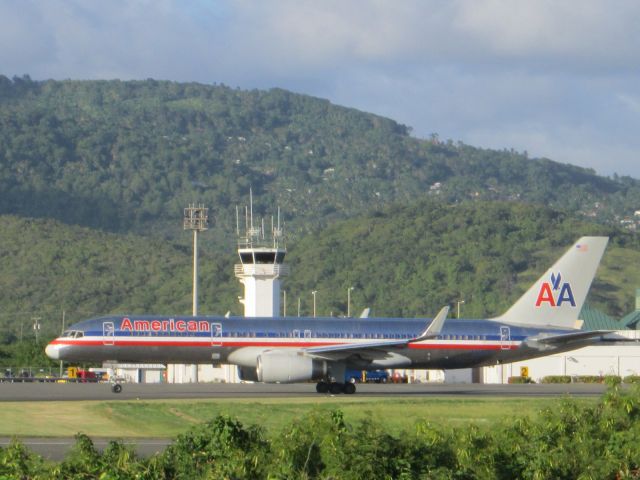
x,y
555,78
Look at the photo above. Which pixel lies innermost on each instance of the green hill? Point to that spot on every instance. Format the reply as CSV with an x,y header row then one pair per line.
x,y
94,176
402,261
412,260
47,267
125,156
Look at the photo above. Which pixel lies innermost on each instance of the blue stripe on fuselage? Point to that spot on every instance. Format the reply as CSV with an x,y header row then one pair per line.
x,y
329,328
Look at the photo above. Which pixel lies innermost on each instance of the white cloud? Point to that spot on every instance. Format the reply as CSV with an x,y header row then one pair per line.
x,y
595,30
555,77
630,102
578,145
591,34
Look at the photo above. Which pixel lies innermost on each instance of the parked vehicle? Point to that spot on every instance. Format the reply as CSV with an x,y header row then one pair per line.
x,y
83,376
357,376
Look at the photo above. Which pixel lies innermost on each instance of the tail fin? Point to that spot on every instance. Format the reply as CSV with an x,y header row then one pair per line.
x,y
556,298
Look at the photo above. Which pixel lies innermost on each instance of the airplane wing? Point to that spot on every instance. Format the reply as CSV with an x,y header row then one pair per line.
x,y
377,350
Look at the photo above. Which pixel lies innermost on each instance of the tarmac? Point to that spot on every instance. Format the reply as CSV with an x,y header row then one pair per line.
x,y
46,392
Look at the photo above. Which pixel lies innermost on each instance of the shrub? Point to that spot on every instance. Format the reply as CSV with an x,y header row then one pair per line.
x,y
590,379
220,448
612,380
302,447
519,379
16,461
557,379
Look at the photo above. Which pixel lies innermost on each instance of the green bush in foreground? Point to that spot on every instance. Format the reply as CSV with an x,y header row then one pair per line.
x,y
569,441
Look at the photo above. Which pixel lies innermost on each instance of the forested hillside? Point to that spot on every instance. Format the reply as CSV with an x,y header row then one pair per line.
x,y
94,176
402,261
130,155
412,260
48,267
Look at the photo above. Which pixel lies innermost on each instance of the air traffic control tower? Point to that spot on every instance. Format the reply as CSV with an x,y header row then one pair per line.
x,y
261,265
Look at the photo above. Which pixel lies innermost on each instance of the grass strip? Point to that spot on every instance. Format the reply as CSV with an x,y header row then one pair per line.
x,y
166,419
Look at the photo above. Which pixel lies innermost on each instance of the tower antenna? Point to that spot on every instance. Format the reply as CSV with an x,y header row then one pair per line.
x,y
261,266
237,223
251,208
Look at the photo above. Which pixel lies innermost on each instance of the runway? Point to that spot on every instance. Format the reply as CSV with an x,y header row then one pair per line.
x,y
46,392
57,448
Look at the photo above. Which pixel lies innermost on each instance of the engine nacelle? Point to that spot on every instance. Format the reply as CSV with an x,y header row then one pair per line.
x,y
248,374
279,367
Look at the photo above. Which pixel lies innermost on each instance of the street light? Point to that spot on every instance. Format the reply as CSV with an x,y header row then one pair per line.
x,y
349,301
459,302
36,326
314,302
284,303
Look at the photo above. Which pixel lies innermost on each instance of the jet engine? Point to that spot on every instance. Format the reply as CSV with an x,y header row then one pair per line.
x,y
247,374
279,367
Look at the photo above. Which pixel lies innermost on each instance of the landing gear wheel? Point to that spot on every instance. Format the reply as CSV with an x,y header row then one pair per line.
x,y
349,388
335,388
322,387
116,388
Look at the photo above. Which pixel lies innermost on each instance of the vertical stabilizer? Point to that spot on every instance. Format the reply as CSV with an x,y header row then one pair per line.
x,y
557,297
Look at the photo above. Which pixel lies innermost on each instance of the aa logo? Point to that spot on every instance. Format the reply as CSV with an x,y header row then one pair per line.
x,y
555,293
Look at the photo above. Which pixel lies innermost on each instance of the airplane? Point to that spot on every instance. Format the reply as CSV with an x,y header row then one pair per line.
x,y
543,321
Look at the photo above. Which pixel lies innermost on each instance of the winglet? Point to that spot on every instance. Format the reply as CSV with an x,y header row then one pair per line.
x,y
365,313
435,327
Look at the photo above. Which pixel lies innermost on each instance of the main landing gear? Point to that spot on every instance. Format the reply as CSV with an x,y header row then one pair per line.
x,y
335,388
116,384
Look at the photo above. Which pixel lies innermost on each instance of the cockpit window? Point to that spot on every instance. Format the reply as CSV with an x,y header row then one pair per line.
x,y
72,334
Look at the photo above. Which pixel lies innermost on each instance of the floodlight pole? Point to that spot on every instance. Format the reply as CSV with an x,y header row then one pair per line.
x,y
196,218
195,273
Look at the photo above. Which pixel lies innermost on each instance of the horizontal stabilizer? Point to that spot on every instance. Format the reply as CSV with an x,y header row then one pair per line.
x,y
556,340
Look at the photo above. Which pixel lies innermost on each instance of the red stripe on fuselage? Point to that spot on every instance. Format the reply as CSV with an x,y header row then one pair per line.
x,y
240,344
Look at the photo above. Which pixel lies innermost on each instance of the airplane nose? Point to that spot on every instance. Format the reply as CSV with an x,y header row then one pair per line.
x,y
52,351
